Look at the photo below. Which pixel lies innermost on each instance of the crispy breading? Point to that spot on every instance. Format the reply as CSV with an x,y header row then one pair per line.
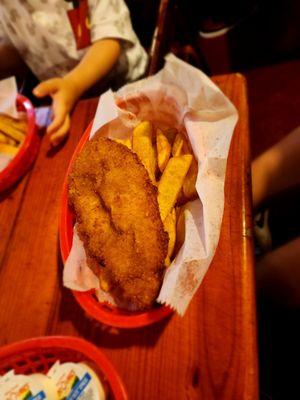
x,y
118,219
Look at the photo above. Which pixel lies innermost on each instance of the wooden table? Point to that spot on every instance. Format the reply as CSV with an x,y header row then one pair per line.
x,y
209,354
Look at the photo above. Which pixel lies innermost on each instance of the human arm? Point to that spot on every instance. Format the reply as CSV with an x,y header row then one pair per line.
x,y
94,66
276,169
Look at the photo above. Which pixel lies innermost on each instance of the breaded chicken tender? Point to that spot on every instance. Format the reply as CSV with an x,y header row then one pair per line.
x,y
118,220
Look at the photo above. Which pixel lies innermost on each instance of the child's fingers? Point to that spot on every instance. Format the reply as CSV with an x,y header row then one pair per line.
x,y
61,133
47,87
59,112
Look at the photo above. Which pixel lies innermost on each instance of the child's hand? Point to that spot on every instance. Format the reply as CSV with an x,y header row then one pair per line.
x,y
63,95
97,62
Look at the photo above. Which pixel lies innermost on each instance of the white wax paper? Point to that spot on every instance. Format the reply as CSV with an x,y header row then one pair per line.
x,y
4,161
179,96
8,93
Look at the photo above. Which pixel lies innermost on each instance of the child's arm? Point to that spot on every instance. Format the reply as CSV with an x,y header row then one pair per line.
x,y
95,65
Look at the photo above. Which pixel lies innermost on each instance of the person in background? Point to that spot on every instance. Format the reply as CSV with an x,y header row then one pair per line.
x,y
70,46
276,171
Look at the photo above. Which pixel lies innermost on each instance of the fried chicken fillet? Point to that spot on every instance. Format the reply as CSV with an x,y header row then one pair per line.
x,y
118,220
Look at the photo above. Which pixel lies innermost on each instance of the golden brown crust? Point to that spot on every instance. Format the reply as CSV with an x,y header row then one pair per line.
x,y
118,219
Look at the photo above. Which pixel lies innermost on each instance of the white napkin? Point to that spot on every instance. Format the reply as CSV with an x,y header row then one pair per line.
x,y
8,94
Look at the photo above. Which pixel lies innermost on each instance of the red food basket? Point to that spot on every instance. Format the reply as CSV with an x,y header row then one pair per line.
x,y
102,312
39,354
23,160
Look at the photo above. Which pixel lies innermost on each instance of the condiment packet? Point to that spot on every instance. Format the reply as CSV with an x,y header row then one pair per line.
x,y
76,381
70,381
21,387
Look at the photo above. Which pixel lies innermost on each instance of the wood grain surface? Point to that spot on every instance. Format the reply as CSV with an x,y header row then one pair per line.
x,y
210,353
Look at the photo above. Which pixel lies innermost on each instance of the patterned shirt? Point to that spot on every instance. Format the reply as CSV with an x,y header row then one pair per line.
x,y
41,31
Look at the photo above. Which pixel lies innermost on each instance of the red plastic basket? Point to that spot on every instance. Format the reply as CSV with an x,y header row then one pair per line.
x,y
39,354
102,312
23,160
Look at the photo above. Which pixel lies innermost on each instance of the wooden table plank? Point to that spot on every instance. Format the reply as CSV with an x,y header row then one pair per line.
x,y
29,278
9,207
208,354
228,289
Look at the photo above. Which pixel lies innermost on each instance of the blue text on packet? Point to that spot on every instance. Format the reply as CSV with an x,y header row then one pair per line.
x,y
39,396
79,387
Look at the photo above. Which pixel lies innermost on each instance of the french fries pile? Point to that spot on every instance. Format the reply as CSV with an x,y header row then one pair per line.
x,y
172,167
12,134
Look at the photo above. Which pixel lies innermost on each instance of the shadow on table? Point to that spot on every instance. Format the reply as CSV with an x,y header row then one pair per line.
x,y
100,334
279,350
8,193
53,150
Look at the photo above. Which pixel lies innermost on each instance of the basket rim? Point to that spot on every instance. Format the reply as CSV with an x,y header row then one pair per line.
x,y
112,316
84,347
31,142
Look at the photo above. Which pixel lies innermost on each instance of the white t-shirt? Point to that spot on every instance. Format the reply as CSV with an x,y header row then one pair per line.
x,y
41,31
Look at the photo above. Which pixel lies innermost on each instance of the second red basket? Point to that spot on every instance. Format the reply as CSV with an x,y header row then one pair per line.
x,y
39,354
23,160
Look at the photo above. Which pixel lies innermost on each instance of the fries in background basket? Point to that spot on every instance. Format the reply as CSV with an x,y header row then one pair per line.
x,y
12,134
3,138
8,149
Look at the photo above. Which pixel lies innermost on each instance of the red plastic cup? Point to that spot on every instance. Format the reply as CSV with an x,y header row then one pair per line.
x,y
39,354
102,312
23,160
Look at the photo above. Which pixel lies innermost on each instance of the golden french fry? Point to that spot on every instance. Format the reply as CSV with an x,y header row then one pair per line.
x,y
180,146
3,138
167,262
170,228
177,145
189,184
11,131
8,149
180,228
163,150
12,142
125,142
7,140
142,146
171,183
19,124
170,135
